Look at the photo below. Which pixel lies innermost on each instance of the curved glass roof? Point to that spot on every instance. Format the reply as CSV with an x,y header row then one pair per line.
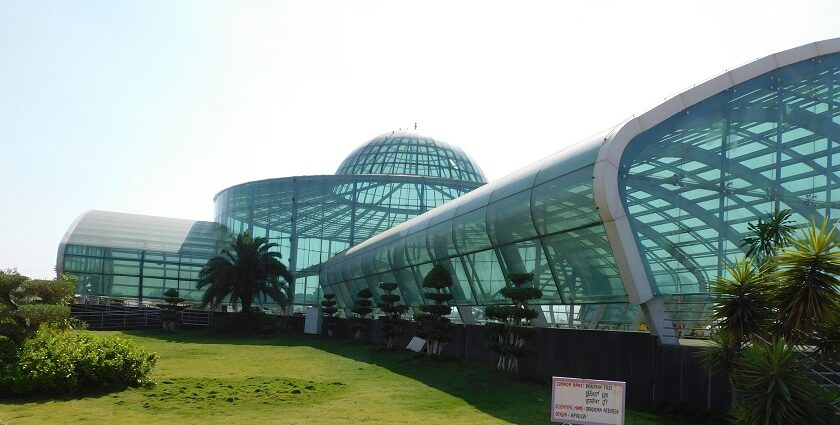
x,y
409,153
648,213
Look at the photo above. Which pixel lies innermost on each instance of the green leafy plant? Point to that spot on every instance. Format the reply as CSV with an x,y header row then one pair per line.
x,y
246,268
37,314
329,309
512,322
392,325
775,388
807,293
361,309
27,304
742,303
766,236
57,361
48,291
791,297
170,317
434,325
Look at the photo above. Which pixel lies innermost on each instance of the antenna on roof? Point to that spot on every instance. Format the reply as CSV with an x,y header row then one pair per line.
x,y
415,125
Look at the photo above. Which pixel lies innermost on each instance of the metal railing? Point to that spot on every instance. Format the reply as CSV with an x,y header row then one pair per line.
x,y
118,313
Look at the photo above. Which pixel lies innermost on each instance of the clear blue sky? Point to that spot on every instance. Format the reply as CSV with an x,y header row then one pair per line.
x,y
151,107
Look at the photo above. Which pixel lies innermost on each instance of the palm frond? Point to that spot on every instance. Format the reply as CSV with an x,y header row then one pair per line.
x,y
808,293
742,306
242,271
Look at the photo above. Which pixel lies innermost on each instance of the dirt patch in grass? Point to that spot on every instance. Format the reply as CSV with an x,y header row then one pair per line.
x,y
221,394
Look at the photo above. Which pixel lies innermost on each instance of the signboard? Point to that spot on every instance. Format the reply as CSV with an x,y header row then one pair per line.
x,y
416,344
312,324
587,401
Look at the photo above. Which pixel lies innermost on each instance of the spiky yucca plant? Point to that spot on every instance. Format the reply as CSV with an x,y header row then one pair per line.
x,y
775,388
741,302
768,236
807,293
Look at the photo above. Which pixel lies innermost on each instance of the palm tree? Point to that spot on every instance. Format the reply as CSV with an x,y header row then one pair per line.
x,y
767,236
244,270
808,291
742,307
775,387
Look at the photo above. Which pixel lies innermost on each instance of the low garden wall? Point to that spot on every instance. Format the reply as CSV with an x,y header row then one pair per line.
x,y
655,373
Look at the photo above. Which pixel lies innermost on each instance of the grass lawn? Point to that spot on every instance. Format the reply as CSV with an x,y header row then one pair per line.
x,y
300,380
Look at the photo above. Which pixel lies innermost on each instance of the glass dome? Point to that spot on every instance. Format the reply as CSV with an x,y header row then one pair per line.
x,y
409,153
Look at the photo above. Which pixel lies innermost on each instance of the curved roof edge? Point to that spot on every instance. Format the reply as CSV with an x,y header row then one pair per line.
x,y
361,177
481,197
414,133
62,246
605,184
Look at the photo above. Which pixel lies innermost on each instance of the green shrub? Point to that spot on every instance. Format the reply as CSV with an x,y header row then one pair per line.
x,y
775,387
37,314
8,351
9,327
59,361
49,291
246,324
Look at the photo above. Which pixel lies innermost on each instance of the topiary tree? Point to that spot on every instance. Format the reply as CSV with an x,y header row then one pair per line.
x,y
434,325
26,304
171,314
329,309
392,325
361,309
513,322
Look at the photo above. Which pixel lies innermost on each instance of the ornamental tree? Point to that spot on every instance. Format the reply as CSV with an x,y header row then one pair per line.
x,y
361,309
434,325
171,314
329,309
25,304
513,322
392,325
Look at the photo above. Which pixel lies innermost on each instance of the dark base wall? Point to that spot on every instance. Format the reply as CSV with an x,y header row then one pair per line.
x,y
654,373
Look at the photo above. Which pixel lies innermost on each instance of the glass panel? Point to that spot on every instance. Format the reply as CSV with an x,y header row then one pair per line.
x,y
694,182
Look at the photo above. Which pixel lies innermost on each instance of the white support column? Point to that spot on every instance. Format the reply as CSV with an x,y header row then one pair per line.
x,y
596,318
659,321
637,321
466,314
539,321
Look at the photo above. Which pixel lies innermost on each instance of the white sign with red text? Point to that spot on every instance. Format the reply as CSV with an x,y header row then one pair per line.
x,y
587,401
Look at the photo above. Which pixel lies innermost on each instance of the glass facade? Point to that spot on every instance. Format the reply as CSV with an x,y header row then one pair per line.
x,y
408,153
136,256
627,230
692,183
624,230
541,220
312,218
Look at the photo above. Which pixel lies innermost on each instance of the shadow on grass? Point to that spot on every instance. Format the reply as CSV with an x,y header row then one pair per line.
x,y
507,397
89,393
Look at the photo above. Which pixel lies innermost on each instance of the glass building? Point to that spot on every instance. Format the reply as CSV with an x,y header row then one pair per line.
x,y
624,230
137,256
630,226
386,181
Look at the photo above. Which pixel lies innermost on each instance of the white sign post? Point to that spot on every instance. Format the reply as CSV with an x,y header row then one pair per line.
x,y
312,323
416,344
587,401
